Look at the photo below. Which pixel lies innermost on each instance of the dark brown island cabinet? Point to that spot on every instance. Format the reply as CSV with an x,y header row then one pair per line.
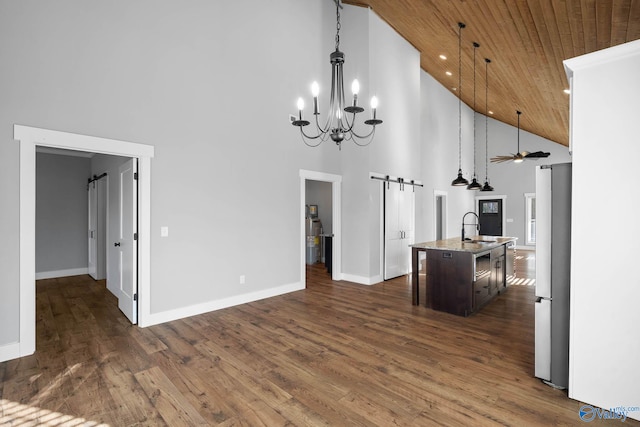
x,y
462,277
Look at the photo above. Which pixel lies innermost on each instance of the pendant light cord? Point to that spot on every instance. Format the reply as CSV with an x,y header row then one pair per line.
x,y
486,120
475,48
460,26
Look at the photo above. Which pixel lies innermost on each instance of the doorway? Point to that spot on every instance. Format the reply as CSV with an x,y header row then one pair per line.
x,y
336,250
98,189
29,138
491,215
440,214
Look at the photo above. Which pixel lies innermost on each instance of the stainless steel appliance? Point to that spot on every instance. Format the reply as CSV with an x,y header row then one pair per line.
x,y
553,278
313,230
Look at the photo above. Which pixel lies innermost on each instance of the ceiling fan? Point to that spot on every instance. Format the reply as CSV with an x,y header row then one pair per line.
x,y
520,155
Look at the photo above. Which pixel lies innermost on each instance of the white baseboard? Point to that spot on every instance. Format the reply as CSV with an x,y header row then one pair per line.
x,y
61,273
9,351
362,280
194,310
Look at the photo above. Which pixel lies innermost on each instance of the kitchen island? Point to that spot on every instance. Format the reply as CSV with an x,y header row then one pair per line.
x,y
462,276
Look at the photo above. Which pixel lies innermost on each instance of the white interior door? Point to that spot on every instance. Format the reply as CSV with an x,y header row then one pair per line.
x,y
392,232
127,243
92,233
398,229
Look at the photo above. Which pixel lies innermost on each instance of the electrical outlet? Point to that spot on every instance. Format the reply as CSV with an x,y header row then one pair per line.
x,y
242,279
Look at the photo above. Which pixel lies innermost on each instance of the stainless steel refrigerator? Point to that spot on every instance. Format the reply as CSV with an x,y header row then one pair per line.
x,y
553,273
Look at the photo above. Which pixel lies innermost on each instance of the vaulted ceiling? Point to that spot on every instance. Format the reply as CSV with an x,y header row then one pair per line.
x,y
526,41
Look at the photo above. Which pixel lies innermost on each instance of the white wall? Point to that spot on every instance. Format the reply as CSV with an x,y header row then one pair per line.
x,y
605,289
61,215
439,121
211,88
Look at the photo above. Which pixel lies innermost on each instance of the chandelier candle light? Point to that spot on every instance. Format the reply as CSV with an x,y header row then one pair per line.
x,y
339,126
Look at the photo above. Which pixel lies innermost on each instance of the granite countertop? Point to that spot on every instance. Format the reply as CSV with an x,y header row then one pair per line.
x,y
476,244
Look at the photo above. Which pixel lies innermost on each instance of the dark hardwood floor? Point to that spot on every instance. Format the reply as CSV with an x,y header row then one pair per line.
x,y
337,354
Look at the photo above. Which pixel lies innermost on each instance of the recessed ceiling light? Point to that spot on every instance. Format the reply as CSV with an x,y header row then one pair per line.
x,y
454,89
448,73
567,91
490,112
443,57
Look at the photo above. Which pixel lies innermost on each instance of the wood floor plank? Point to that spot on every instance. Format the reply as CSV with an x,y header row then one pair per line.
x,y
335,353
174,408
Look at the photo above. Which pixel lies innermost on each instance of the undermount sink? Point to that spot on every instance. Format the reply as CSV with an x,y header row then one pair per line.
x,y
479,241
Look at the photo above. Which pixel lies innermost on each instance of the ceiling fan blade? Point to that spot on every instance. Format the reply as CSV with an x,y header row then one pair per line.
x,y
537,155
500,159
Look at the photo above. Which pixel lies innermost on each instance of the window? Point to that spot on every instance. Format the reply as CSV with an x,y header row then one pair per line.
x,y
530,209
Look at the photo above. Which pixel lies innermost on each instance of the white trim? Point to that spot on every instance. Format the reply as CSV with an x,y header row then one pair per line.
x,y
362,280
29,138
381,243
336,201
206,307
504,208
9,351
600,57
62,273
445,224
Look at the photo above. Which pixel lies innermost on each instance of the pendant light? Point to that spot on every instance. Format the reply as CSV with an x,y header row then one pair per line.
x,y
475,185
460,181
486,186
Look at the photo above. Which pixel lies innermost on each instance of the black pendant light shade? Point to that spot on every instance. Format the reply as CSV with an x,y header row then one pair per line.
x,y
460,181
475,185
486,187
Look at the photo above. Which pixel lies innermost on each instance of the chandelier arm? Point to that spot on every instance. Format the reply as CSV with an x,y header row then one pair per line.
x,y
370,136
321,129
311,136
340,107
305,139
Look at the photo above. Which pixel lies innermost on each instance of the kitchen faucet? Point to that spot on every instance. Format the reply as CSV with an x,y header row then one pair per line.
x,y
477,224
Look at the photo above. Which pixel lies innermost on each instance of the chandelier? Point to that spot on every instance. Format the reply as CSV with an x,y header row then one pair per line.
x,y
341,118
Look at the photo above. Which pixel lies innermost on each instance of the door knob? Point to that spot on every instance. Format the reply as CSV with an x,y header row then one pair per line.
x,y
116,244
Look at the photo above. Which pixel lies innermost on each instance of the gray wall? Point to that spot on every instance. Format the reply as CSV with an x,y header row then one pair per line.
x,y
513,179
205,83
61,212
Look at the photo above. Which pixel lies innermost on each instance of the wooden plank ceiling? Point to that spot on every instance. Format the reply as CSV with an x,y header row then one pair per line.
x,y
526,40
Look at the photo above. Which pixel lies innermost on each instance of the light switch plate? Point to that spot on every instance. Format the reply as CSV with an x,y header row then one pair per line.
x,y
164,231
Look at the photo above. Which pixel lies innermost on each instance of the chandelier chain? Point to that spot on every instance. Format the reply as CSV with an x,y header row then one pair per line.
x,y
337,25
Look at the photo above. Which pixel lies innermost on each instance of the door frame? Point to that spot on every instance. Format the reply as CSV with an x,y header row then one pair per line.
x,y
504,208
336,197
30,137
445,212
